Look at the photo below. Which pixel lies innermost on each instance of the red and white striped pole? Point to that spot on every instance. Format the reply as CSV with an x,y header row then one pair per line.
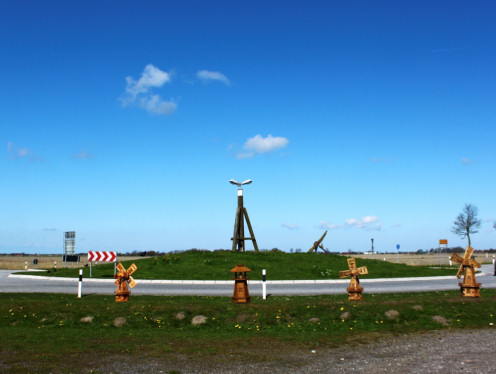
x,y
80,286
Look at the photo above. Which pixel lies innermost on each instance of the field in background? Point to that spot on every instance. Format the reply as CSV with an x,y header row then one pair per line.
x,y
46,261
424,259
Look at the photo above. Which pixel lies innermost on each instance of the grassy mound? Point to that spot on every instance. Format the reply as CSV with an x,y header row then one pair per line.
x,y
207,265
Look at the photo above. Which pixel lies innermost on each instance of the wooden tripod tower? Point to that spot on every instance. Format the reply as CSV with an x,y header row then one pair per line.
x,y
469,287
239,222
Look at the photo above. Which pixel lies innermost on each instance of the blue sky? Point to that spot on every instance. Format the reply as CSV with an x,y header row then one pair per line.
x,y
125,120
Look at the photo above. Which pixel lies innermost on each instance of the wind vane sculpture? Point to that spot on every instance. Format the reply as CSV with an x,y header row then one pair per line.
x,y
123,279
318,244
355,289
239,226
469,287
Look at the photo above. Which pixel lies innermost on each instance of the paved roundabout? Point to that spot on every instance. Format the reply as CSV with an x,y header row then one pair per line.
x,y
11,282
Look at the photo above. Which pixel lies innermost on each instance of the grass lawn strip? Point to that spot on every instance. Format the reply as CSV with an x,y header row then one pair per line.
x,y
44,329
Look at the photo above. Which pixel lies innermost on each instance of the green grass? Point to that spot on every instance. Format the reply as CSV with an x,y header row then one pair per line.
x,y
46,329
207,265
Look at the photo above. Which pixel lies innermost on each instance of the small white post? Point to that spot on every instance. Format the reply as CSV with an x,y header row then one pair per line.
x,y
55,265
384,258
451,262
26,265
493,259
80,286
264,287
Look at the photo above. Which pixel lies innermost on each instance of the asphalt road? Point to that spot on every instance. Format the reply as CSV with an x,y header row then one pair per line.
x,y
10,282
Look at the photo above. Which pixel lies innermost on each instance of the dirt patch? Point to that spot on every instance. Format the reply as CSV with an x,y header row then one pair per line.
x,y
119,322
440,319
392,314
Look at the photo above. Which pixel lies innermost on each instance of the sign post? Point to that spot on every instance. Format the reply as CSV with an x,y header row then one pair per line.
x,y
398,248
443,243
102,256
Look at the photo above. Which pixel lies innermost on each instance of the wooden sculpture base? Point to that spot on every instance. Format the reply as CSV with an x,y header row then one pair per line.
x,y
241,294
122,293
472,290
121,298
355,294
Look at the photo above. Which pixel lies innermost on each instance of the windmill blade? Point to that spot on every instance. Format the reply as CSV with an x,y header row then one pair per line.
x,y
131,282
460,271
351,263
344,273
132,269
363,270
456,258
120,268
468,253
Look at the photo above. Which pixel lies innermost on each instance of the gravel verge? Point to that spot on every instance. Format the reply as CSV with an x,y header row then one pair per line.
x,y
444,351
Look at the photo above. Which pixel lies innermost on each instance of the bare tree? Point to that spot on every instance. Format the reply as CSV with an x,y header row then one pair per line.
x,y
467,223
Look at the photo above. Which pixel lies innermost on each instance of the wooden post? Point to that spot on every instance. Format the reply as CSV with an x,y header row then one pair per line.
x,y
239,227
252,235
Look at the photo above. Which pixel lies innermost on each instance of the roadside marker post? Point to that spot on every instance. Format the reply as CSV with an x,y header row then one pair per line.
x,y
26,265
264,286
80,286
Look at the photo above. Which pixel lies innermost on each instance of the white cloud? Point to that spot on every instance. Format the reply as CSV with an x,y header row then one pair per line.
x,y
466,161
18,153
324,225
209,76
368,223
139,91
151,77
291,226
259,144
154,104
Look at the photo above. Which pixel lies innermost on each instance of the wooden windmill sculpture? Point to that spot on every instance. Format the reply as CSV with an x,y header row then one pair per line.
x,y
123,280
469,287
355,289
